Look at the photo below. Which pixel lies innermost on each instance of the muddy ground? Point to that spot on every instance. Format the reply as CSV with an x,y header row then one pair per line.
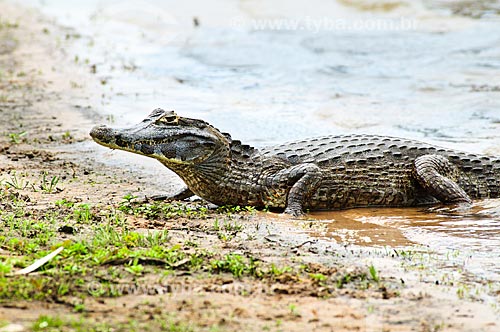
x,y
132,265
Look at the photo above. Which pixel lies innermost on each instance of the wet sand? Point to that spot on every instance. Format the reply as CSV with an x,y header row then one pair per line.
x,y
45,94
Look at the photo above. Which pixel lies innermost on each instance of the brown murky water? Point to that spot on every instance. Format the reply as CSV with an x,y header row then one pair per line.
x,y
472,234
406,226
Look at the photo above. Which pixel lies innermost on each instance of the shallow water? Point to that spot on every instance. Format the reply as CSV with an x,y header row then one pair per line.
x,y
474,231
426,70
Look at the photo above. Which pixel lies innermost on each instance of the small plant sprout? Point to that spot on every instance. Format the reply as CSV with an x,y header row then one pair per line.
x,y
293,309
16,182
216,226
16,137
49,186
135,267
318,277
374,273
67,136
82,213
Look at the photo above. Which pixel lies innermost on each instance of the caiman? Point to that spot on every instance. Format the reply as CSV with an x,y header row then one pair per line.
x,y
323,173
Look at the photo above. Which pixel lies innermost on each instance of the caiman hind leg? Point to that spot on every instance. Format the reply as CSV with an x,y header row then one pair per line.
x,y
304,180
437,176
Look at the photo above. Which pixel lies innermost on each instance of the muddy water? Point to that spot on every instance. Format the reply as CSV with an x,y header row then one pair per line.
x,y
268,73
475,231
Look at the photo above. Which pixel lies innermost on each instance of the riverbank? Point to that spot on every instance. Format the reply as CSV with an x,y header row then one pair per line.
x,y
176,267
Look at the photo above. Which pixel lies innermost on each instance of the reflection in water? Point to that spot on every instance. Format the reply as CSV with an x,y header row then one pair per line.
x,y
398,226
351,227
474,232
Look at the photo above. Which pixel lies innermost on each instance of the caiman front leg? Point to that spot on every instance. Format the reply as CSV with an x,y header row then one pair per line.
x,y
304,180
436,175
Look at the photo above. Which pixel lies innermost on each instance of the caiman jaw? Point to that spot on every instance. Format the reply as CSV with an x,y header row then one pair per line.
x,y
115,139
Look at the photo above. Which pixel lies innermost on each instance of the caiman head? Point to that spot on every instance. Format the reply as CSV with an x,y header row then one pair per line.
x,y
175,141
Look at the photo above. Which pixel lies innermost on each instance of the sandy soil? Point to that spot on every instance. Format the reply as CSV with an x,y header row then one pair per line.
x,y
47,105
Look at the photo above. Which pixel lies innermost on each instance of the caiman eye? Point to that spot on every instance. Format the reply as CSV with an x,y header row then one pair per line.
x,y
168,119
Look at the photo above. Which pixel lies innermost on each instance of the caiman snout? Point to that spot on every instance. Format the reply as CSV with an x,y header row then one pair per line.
x,y
103,134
